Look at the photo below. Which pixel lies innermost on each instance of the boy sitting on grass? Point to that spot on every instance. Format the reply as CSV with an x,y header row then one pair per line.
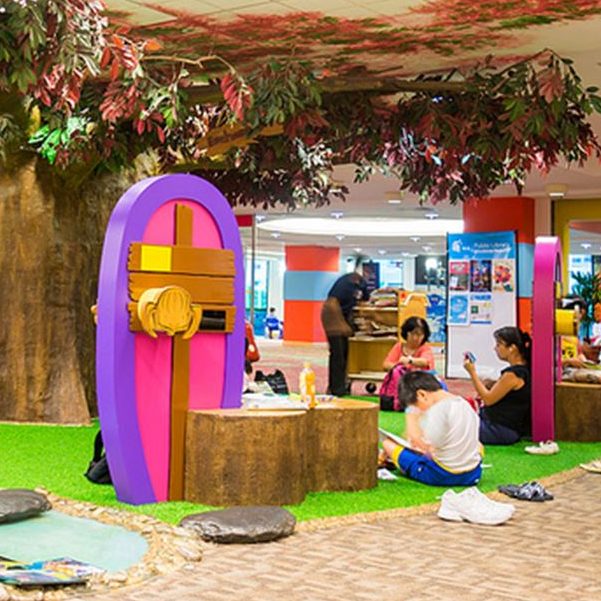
x,y
443,431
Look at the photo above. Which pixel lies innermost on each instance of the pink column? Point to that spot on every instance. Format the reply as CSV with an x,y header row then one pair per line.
x,y
547,271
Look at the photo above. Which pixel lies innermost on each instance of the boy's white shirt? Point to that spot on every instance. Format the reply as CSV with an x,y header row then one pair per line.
x,y
451,426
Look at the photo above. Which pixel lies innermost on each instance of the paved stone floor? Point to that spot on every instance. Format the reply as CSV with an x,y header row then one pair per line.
x,y
548,551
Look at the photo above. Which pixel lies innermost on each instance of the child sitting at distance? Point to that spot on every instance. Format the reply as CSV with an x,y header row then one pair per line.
x,y
272,324
443,431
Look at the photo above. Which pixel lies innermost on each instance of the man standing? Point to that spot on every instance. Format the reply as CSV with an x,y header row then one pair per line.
x,y
336,318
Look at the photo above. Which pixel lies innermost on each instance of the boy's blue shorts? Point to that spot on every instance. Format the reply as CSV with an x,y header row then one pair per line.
x,y
424,469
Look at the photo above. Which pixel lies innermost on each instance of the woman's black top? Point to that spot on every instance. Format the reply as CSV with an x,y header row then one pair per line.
x,y
513,410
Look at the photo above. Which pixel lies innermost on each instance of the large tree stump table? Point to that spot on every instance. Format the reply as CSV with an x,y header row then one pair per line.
x,y
246,457
577,411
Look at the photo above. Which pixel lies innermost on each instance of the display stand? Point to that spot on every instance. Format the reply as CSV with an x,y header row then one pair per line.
x,y
481,296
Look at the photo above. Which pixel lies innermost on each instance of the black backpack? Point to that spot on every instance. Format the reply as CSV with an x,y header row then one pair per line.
x,y
276,380
98,470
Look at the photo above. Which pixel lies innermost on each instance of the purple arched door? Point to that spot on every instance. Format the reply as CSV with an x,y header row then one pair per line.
x,y
134,371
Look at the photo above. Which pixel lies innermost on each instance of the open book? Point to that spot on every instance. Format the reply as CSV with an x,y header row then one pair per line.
x,y
384,434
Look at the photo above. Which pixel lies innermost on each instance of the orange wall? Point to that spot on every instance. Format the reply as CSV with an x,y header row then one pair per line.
x,y
302,321
312,258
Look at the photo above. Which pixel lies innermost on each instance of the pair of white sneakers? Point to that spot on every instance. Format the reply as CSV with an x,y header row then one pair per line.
x,y
473,506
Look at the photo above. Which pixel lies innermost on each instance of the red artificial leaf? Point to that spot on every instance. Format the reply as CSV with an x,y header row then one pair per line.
x,y
140,125
118,41
160,134
152,45
115,70
106,57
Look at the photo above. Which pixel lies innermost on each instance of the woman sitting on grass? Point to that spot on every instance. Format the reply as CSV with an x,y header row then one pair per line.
x,y
505,416
443,431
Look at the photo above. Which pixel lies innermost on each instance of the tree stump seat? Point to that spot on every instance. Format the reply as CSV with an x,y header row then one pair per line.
x,y
577,410
246,457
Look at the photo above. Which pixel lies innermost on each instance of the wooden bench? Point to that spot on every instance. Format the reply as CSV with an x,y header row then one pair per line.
x,y
246,457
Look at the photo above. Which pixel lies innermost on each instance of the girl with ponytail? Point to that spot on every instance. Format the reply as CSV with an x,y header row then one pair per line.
x,y
505,415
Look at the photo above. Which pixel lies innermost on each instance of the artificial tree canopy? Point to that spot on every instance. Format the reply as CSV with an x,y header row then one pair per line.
x,y
270,131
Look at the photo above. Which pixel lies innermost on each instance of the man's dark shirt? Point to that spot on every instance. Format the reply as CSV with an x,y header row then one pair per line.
x,y
348,289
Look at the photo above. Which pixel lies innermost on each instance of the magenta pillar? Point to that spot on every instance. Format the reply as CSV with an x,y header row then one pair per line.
x,y
547,273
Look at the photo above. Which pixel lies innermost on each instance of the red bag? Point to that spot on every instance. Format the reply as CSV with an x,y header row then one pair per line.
x,y
389,390
252,350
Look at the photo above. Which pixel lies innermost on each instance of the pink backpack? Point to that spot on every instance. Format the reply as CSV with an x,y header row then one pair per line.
x,y
389,390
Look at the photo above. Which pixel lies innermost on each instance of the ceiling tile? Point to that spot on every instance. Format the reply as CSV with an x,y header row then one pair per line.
x,y
391,7
263,9
234,5
315,5
141,15
353,12
195,7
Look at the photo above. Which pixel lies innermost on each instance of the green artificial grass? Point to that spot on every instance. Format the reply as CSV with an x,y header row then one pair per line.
x,y
55,457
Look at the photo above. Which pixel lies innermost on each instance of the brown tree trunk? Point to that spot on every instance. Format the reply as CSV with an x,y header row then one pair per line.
x,y
49,260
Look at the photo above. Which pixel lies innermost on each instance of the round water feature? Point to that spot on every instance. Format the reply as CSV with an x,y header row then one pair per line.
x,y
54,534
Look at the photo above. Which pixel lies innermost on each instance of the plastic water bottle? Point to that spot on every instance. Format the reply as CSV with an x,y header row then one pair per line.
x,y
307,385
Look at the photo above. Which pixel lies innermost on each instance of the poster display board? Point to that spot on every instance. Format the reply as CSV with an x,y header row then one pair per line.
x,y
482,297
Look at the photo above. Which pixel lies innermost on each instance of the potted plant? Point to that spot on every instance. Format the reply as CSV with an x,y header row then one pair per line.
x,y
588,288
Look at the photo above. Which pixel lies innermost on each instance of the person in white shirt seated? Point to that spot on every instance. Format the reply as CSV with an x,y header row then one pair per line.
x,y
442,429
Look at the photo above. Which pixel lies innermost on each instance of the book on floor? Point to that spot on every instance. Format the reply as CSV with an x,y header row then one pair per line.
x,y
63,570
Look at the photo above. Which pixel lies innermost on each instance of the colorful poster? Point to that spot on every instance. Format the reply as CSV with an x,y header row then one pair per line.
x,y
458,310
436,316
480,275
481,310
459,273
503,275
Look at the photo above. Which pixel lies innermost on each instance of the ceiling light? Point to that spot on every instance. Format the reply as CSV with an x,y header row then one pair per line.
x,y
431,215
259,218
381,251
357,250
275,234
340,236
556,190
405,254
394,201
336,214
364,227
427,248
586,245
415,238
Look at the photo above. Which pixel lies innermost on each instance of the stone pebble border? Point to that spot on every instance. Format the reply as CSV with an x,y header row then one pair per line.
x,y
170,548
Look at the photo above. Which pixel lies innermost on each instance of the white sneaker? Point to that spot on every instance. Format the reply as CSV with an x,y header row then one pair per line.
x,y
472,508
474,492
550,447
